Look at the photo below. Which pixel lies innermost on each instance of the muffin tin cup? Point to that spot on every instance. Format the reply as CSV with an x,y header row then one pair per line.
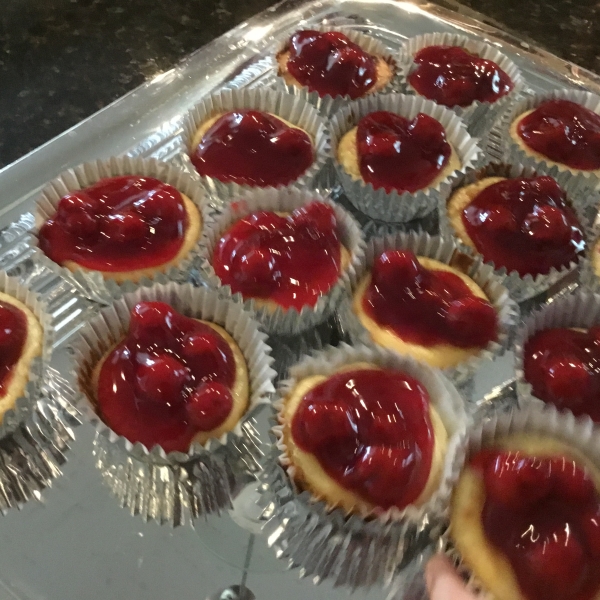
x,y
93,284
578,310
214,457
395,207
327,104
281,321
513,153
293,109
582,201
358,549
532,420
447,251
478,116
37,430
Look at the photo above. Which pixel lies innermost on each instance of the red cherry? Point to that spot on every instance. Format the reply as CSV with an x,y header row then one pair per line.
x,y
382,470
257,265
427,130
81,224
163,203
209,405
150,322
291,140
7,320
571,482
594,332
546,223
567,380
316,214
206,359
558,563
323,423
396,268
382,431
79,201
549,185
516,481
472,320
161,379
126,227
501,218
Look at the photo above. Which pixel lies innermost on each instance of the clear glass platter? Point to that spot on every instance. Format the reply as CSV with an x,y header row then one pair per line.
x,y
73,540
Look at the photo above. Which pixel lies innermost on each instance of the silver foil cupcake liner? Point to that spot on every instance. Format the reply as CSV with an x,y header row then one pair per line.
x,y
357,550
327,104
293,109
478,116
578,310
137,470
524,288
531,420
281,321
91,283
513,153
393,206
447,251
37,431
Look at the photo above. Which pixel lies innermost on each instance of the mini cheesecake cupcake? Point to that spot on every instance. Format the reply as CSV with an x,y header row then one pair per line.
x,y
557,131
522,223
557,354
471,77
395,154
254,138
368,432
329,63
169,374
290,255
525,511
420,296
109,223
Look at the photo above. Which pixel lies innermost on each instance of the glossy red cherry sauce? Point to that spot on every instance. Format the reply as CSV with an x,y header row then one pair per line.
x,y
249,147
13,333
565,132
452,76
118,224
543,514
397,154
170,378
291,260
371,431
563,367
524,225
330,64
427,307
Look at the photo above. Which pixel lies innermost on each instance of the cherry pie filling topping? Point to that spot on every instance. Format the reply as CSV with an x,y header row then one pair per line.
x,y
13,335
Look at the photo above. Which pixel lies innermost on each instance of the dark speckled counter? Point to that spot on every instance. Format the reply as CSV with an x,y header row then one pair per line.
x,y
62,60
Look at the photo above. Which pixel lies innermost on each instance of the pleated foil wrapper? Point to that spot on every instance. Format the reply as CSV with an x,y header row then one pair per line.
x,y
35,434
92,284
478,116
513,153
589,272
354,550
445,250
530,420
395,207
149,481
578,310
278,320
293,109
582,201
327,104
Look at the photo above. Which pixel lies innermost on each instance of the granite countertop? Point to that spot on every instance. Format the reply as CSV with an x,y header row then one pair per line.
x,y
62,60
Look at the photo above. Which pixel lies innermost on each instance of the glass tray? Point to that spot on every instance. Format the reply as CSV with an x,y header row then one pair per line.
x,y
73,540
